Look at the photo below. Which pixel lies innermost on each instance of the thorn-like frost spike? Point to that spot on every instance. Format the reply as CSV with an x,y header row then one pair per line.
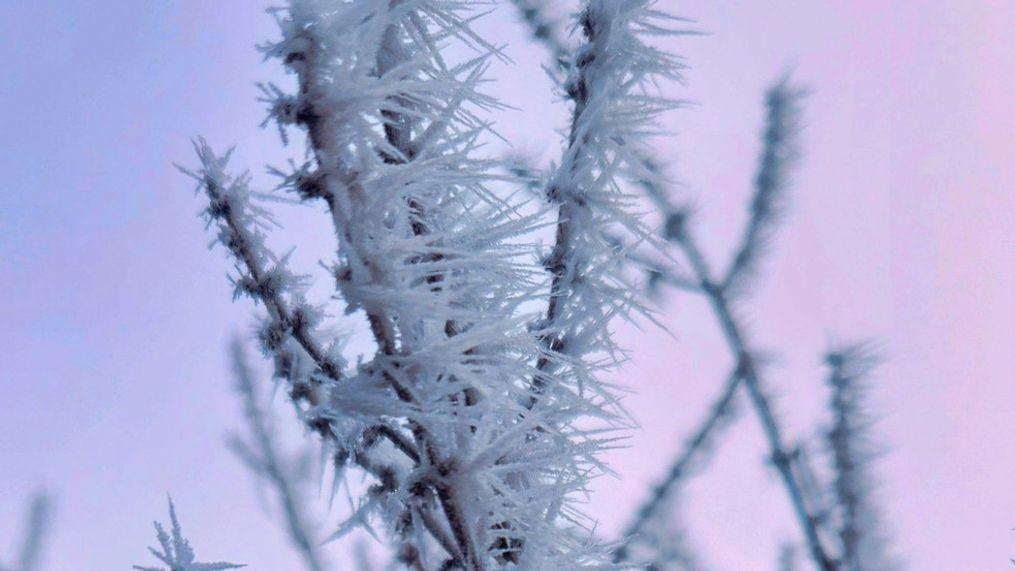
x,y
176,551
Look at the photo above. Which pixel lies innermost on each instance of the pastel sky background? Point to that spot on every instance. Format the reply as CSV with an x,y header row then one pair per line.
x,y
114,316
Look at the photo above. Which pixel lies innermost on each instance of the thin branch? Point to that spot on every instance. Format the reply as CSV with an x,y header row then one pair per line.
x,y
780,128
864,548
544,29
787,557
263,458
177,552
646,167
230,208
697,446
780,453
610,65
37,524
778,156
241,233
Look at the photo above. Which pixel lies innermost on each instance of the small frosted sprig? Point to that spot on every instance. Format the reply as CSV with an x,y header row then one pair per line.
x,y
261,274
37,524
696,450
544,28
262,455
852,446
612,111
176,551
780,153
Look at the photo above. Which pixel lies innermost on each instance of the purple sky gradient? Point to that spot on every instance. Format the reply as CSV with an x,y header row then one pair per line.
x,y
114,385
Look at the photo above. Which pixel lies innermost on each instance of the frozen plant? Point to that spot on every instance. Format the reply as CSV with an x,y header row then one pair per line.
x,y
480,413
479,420
176,551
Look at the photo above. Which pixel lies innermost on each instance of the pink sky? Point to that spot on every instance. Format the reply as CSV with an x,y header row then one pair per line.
x,y
900,229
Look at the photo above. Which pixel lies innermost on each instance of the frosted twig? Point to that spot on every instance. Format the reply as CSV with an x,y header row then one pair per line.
x,y
787,557
37,523
176,551
608,116
645,169
778,156
858,522
780,453
695,448
779,138
262,456
241,232
267,279
544,29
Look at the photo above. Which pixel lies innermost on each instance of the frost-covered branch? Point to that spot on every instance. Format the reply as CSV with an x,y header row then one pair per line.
x,y
781,454
262,275
289,332
544,28
611,114
857,517
176,552
37,523
781,123
263,457
663,544
474,479
779,151
787,557
645,170
778,156
695,451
